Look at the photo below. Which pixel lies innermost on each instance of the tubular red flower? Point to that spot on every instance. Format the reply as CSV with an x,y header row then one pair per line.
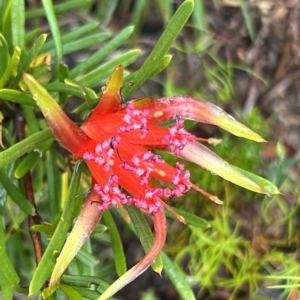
x,y
118,141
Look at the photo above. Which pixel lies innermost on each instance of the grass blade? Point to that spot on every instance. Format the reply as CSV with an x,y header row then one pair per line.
x,y
12,67
145,234
4,55
248,19
16,194
32,54
71,90
71,36
50,14
17,97
117,246
58,8
162,46
7,270
18,23
179,281
14,152
190,218
84,43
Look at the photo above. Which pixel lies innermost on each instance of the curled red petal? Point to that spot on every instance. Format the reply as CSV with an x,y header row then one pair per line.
x,y
160,228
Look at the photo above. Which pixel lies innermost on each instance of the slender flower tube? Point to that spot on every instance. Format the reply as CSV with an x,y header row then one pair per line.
x,y
118,141
83,227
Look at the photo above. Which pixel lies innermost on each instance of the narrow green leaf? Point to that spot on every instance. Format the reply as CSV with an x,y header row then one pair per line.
x,y
54,27
191,219
159,67
199,16
42,227
165,9
32,35
88,293
70,292
49,291
63,74
12,67
83,43
138,14
100,228
4,55
86,257
248,19
29,144
32,54
144,233
103,52
53,182
162,64
83,281
58,8
8,273
5,287
71,36
26,164
5,20
162,46
105,10
40,71
47,262
16,194
94,77
178,278
85,260
31,120
78,91
2,12
117,246
3,193
17,97
18,23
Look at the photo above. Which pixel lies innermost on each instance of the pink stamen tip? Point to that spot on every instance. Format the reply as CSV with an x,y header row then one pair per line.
x,y
136,119
181,180
143,165
178,137
104,153
110,193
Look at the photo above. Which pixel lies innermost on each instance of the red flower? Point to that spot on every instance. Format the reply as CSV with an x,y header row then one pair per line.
x,y
118,141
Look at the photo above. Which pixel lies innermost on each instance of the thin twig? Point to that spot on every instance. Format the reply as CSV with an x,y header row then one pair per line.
x,y
35,218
